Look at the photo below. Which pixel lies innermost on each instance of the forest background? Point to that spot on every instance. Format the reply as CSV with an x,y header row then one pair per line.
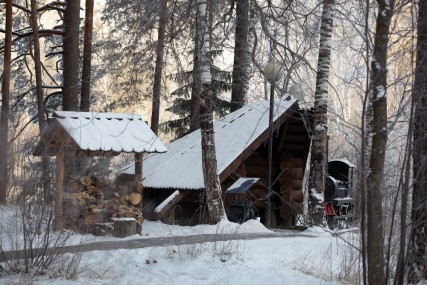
x,y
143,56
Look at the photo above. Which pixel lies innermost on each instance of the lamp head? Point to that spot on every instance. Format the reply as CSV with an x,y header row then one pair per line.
x,y
273,71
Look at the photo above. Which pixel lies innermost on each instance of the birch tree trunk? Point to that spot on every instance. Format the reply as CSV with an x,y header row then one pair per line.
x,y
209,162
4,127
417,261
155,111
71,56
87,58
375,228
319,143
241,60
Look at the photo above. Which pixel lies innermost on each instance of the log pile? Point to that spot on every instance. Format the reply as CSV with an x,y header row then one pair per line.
x,y
291,185
90,200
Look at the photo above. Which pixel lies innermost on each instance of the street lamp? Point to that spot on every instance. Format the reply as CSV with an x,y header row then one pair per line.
x,y
273,71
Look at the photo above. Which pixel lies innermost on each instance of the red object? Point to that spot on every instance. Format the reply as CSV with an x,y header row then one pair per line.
x,y
328,209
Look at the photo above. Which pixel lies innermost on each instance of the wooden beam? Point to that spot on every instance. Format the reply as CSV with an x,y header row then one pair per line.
x,y
138,167
283,129
59,196
168,203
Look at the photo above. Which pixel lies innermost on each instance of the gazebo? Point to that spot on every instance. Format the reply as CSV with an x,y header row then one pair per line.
x,y
90,134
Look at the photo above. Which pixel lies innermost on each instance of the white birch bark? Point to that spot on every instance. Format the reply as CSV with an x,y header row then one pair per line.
x,y
209,162
319,157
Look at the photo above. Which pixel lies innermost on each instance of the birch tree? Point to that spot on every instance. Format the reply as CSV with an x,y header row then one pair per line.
x,y
319,143
209,162
378,88
418,238
4,127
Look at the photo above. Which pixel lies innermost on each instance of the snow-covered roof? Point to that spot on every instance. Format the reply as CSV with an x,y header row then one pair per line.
x,y
349,164
242,185
94,131
181,166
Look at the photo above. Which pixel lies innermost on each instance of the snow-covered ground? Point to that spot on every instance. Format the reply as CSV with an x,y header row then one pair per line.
x,y
314,256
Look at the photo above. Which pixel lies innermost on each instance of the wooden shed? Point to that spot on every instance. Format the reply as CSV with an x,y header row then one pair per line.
x,y
174,184
89,134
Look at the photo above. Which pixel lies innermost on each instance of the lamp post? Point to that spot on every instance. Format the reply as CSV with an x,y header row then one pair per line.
x,y
273,71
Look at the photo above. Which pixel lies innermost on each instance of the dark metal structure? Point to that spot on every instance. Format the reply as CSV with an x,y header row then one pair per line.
x,y
242,208
339,193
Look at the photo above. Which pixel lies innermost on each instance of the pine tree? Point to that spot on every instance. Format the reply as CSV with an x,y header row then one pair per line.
x,y
157,84
4,127
71,55
417,261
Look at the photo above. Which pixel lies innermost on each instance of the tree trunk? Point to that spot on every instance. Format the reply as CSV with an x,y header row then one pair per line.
x,y
417,261
40,104
375,228
71,56
209,162
319,150
4,143
155,112
37,67
196,86
87,58
241,60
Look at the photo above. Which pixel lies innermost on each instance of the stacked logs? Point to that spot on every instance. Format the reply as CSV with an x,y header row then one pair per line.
x,y
291,185
90,200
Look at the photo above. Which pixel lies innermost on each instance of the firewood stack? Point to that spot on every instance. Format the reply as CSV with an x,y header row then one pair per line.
x,y
90,200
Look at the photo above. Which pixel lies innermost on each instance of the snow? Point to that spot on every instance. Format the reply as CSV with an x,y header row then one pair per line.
x,y
315,256
318,196
376,64
320,128
343,161
242,185
386,8
160,207
181,166
122,219
109,131
380,91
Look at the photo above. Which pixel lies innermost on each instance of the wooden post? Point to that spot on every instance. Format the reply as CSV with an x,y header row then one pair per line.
x,y
138,167
59,195
138,175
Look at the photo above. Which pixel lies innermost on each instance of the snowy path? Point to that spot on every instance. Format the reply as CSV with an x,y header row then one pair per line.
x,y
158,241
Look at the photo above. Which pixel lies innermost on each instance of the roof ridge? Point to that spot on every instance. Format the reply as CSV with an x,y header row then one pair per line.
x,y
96,115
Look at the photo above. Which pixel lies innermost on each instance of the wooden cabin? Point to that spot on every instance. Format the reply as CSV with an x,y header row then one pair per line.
x,y
83,200
173,182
